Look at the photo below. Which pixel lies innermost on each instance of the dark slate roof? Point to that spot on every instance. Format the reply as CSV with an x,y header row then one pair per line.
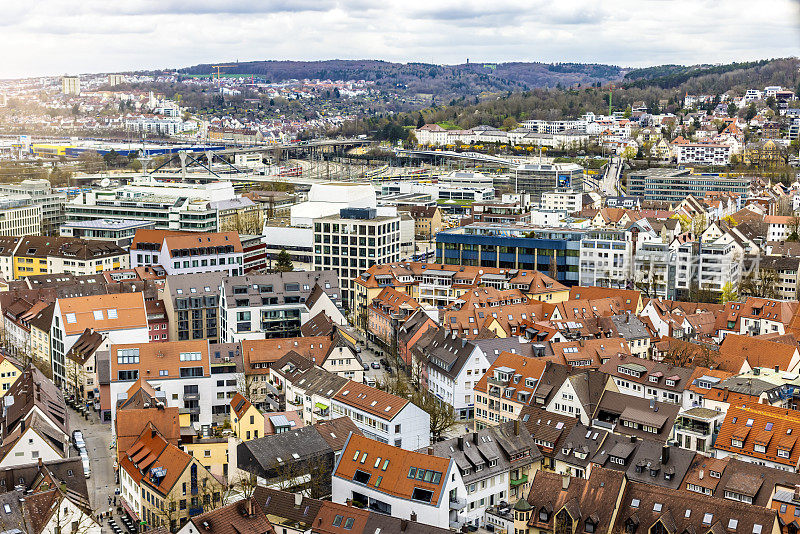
x,y
292,509
580,445
660,465
275,449
479,448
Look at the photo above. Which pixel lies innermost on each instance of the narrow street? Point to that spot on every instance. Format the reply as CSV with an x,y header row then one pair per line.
x,y
101,482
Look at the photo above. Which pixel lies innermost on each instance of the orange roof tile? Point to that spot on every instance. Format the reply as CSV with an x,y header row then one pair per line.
x,y
127,310
394,465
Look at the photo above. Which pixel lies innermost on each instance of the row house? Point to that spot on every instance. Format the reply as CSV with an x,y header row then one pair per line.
x,y
188,252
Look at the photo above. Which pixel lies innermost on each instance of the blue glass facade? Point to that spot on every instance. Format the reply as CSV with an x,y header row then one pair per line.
x,y
535,249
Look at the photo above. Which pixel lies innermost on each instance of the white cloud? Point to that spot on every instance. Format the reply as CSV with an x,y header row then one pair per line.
x,y
54,36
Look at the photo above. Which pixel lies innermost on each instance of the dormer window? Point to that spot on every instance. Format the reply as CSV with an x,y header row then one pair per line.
x,y
544,515
589,525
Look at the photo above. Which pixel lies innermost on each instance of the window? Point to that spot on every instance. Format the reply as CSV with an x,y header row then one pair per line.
x,y
422,495
337,521
348,523
98,315
190,356
125,356
71,318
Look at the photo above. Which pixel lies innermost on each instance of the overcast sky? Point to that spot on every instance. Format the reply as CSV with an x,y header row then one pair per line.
x,y
52,37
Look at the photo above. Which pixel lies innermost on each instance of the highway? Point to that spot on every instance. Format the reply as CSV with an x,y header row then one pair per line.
x,y
610,183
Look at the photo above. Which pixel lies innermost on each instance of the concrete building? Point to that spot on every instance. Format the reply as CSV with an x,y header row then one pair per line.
x,y
70,85
702,153
18,216
539,178
353,241
171,205
117,231
674,185
41,194
553,251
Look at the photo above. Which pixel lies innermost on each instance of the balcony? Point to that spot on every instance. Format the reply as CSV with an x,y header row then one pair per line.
x,y
191,396
458,522
514,482
458,503
697,429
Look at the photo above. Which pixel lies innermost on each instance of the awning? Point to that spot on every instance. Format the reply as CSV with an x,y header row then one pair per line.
x,y
127,508
320,406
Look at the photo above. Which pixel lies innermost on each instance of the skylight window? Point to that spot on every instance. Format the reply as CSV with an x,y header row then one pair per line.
x,y
635,503
112,313
71,318
768,426
749,422
657,507
732,524
98,315
707,518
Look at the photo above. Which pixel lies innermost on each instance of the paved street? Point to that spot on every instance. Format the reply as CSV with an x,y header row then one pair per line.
x,y
101,483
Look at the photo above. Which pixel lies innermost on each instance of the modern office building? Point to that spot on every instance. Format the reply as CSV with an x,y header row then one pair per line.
x,y
118,231
18,216
553,251
353,241
674,185
539,178
41,193
171,205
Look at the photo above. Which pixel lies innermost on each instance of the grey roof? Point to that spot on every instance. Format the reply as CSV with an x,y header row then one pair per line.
x,y
198,281
589,386
582,440
478,449
630,327
320,382
66,470
269,452
615,406
751,386
219,351
494,346
274,285
617,446
446,352
103,366
653,462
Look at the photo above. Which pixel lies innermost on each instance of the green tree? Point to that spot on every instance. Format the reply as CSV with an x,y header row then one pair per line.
x,y
284,262
732,110
751,112
728,293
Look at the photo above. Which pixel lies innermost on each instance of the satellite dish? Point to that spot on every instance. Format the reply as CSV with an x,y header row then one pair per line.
x,y
105,182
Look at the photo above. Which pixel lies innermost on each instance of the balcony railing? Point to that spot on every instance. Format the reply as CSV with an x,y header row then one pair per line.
x,y
518,481
458,503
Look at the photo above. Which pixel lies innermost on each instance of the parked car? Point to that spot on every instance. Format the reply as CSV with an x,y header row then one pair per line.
x,y
384,362
366,367
376,365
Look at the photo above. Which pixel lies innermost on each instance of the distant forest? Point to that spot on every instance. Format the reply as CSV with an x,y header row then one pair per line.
x,y
443,81
657,87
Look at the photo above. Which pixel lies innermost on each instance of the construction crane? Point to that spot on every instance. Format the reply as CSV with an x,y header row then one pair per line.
x,y
610,95
219,71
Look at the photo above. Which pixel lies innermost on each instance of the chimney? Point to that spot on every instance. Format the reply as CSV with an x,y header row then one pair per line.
x,y
664,454
430,451
475,438
777,368
40,462
403,525
564,481
460,443
633,439
414,516
319,521
516,427
796,496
